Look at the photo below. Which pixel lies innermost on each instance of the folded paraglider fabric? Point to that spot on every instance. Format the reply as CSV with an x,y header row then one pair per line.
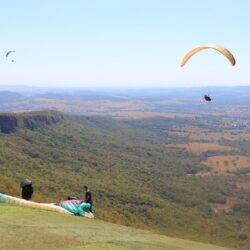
x,y
82,209
21,202
77,207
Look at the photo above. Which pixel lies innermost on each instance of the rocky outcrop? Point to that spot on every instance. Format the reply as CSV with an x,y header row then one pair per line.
x,y
9,123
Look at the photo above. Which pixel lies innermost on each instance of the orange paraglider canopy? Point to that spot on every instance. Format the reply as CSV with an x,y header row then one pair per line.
x,y
220,49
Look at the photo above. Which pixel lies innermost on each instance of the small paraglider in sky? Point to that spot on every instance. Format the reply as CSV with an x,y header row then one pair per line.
x,y
8,54
207,98
10,51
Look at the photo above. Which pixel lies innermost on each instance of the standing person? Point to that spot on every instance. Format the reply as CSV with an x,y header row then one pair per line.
x,y
88,197
27,189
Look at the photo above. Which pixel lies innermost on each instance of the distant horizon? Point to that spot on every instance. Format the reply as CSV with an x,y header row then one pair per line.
x,y
153,86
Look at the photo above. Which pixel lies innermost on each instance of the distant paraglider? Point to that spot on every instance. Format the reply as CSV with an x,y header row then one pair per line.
x,y
218,48
8,54
207,98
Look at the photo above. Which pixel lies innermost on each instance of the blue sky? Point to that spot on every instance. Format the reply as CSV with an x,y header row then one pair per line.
x,y
123,43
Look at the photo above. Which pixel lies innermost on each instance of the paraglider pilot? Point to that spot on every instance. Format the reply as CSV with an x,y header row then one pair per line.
x,y
88,197
207,98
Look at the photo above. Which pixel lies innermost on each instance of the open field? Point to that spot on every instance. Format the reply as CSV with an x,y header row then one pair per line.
x,y
195,134
223,164
147,114
196,147
26,228
119,109
211,136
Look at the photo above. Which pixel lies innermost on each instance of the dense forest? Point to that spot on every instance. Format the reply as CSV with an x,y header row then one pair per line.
x,y
135,177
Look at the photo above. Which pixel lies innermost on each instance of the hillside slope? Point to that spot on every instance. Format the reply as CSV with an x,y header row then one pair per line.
x,y
135,178
26,228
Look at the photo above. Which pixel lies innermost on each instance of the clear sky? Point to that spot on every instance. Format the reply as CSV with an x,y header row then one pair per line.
x,y
123,43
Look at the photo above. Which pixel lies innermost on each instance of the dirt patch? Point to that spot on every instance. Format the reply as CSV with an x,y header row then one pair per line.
x,y
243,185
204,174
225,207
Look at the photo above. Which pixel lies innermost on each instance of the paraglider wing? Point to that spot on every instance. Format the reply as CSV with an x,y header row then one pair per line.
x,y
8,53
220,49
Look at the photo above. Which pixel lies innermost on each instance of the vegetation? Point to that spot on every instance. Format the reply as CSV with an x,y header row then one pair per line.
x,y
136,178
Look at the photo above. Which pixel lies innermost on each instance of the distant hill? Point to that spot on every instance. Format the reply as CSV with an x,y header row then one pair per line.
x,y
8,97
126,103
221,93
135,178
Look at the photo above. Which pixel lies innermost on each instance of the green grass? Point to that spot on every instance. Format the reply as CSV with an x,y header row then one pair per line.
x,y
26,228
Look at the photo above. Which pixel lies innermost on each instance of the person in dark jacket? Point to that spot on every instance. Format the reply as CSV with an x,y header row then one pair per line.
x,y
88,197
27,189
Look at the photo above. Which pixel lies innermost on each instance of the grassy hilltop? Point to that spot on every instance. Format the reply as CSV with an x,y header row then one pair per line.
x,y
30,229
